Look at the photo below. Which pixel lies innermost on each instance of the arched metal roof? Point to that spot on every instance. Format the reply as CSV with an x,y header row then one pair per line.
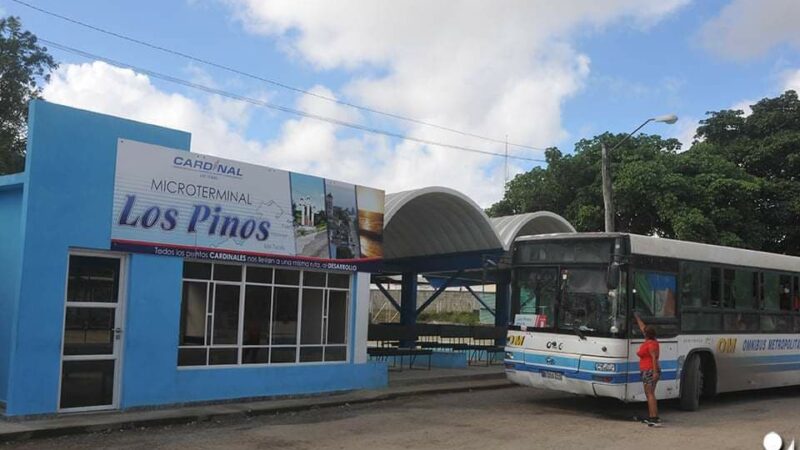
x,y
509,228
435,221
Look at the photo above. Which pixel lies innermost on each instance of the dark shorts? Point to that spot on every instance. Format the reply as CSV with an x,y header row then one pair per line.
x,y
648,378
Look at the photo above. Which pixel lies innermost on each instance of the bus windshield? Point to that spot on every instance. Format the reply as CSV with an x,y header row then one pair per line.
x,y
575,300
585,302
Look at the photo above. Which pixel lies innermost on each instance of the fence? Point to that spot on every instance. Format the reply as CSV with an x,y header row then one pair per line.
x,y
450,301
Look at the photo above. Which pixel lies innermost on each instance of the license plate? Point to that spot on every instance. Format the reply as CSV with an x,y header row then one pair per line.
x,y
551,375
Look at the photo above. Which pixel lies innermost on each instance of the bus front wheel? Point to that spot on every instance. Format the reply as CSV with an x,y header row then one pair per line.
x,y
692,385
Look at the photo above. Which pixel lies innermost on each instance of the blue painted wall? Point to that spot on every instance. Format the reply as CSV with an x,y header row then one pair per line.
x,y
67,203
11,187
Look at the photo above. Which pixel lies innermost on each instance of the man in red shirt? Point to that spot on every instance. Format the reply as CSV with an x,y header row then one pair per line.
x,y
650,370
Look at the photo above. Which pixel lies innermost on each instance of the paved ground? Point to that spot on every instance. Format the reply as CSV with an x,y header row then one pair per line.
x,y
503,418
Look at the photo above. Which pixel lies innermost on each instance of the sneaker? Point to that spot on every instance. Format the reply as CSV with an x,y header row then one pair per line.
x,y
652,422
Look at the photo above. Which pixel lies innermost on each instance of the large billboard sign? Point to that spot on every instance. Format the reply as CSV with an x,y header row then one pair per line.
x,y
176,203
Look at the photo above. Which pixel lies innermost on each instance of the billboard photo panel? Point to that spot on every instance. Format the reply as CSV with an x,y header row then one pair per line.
x,y
175,203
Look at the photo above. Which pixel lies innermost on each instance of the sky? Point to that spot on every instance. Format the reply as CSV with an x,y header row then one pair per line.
x,y
531,72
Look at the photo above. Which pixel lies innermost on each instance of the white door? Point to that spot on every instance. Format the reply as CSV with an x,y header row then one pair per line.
x,y
92,341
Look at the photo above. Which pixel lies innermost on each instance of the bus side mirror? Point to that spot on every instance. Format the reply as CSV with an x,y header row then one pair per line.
x,y
612,276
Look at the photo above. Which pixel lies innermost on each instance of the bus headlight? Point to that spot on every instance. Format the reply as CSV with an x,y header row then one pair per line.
x,y
605,367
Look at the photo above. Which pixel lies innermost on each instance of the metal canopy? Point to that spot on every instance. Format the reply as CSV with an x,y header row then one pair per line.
x,y
509,228
435,221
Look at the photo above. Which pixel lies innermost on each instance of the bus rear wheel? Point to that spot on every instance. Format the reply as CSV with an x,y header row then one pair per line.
x,y
692,385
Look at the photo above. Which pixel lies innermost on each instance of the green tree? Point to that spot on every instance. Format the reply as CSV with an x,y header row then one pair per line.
x,y
570,185
23,65
765,145
738,185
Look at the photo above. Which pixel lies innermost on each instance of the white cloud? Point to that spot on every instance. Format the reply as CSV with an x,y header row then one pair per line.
x,y
686,129
749,28
107,89
744,105
791,80
469,65
476,67
305,145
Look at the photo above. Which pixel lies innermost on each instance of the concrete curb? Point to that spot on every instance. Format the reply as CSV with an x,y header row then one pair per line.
x,y
97,423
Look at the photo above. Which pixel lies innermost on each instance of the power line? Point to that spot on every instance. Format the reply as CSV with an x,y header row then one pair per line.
x,y
281,108
269,81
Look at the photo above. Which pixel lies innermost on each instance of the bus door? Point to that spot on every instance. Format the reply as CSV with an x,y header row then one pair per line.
x,y
654,298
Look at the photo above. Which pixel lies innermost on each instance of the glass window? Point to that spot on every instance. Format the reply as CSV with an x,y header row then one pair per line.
x,y
338,280
89,331
311,328
287,277
740,289
226,315
314,279
536,290
310,354
257,306
716,288
257,274
192,356
741,322
701,321
654,294
695,285
263,305
255,355
585,303
796,294
220,356
93,279
193,313
776,323
284,317
87,383
770,291
227,272
337,316
283,355
197,270
335,353
785,292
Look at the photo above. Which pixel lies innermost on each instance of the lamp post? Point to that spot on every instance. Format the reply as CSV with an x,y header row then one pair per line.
x,y
608,201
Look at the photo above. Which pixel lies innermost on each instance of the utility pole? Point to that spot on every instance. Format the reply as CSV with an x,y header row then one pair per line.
x,y
506,161
608,196
608,202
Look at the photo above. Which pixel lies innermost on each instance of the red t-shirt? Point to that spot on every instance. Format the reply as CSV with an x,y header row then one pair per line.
x,y
645,360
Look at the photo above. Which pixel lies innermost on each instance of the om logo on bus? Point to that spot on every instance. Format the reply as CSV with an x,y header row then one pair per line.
x,y
517,340
726,345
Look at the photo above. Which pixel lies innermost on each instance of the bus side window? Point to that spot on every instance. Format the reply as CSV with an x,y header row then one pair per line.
x,y
716,287
654,294
785,292
695,283
740,289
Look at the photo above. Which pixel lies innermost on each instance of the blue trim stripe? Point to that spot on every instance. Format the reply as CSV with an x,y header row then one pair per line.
x,y
602,377
768,359
584,364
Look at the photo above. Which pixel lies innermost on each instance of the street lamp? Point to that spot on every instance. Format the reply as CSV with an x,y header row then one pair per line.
x,y
608,202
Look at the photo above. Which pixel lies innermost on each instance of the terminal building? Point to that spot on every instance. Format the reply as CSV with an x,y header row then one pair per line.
x,y
136,273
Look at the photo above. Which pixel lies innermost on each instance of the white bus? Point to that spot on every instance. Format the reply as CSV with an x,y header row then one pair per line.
x,y
727,319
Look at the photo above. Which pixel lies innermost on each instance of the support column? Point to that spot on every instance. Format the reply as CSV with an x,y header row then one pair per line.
x,y
502,304
408,303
